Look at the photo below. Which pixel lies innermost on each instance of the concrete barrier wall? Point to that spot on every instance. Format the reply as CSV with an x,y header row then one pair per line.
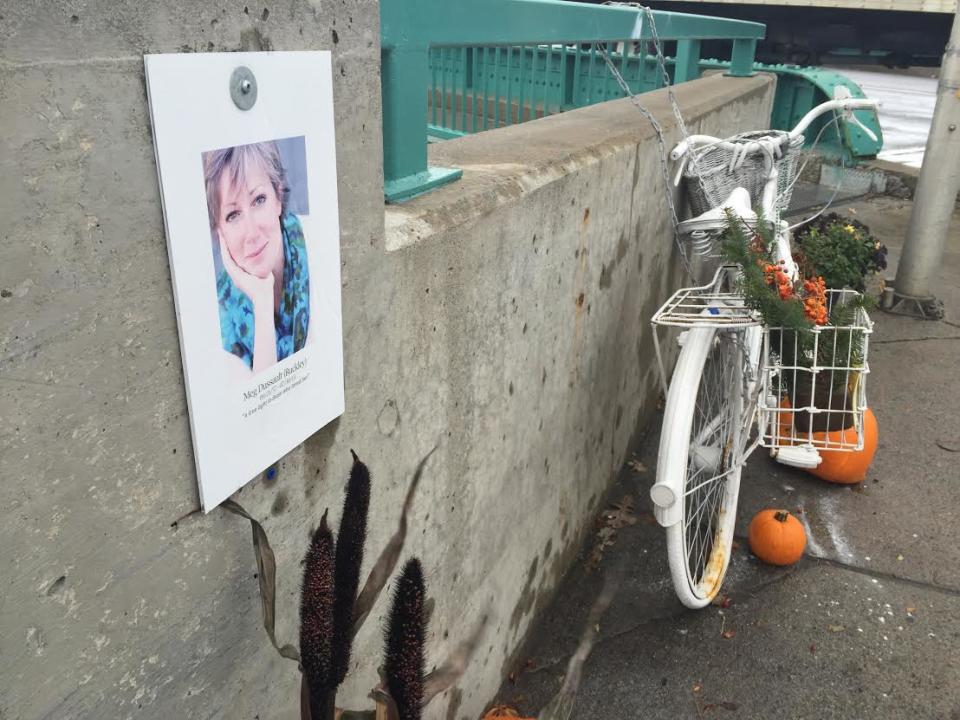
x,y
503,318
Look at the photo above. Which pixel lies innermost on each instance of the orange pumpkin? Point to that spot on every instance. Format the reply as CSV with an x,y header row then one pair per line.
x,y
777,537
503,712
844,466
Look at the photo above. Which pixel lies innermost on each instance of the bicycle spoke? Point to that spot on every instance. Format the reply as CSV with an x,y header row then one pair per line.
x,y
713,430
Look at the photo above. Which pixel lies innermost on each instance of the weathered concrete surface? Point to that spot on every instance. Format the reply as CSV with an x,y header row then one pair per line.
x,y
515,337
543,266
109,608
866,625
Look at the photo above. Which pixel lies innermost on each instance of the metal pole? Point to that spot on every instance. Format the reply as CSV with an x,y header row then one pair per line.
x,y
936,193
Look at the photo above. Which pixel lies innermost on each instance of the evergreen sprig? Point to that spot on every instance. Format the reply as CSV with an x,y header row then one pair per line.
x,y
751,253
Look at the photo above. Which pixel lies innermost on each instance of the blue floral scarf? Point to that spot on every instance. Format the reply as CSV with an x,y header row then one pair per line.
x,y
291,320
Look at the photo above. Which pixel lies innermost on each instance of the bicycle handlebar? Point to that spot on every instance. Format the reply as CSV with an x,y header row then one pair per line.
x,y
847,105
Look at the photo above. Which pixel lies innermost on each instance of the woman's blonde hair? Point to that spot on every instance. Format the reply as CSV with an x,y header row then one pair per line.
x,y
235,161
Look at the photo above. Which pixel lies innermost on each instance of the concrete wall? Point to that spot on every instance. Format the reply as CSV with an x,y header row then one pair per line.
x,y
504,317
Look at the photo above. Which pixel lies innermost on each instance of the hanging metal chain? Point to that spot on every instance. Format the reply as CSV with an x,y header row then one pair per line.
x,y
658,129
664,167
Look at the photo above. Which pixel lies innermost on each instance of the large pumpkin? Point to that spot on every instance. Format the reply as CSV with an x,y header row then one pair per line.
x,y
777,537
844,466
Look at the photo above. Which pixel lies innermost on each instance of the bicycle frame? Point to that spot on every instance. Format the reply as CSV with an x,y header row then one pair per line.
x,y
724,311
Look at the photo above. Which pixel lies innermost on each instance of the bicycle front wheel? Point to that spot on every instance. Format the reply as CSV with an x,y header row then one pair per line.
x,y
701,454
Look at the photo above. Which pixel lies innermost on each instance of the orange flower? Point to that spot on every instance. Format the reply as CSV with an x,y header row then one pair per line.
x,y
815,304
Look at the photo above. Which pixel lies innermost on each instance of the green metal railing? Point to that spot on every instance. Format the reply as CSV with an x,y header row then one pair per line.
x,y
462,65
490,87
481,88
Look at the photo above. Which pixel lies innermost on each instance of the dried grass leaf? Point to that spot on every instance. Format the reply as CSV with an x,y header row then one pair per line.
x,y
387,562
453,668
561,707
267,577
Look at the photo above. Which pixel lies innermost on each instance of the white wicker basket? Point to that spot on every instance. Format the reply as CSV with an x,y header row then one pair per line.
x,y
709,178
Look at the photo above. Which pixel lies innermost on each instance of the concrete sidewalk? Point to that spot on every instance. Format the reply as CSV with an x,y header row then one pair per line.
x,y
866,625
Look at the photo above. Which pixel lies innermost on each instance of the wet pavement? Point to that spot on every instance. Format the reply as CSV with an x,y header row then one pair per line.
x,y
906,109
866,625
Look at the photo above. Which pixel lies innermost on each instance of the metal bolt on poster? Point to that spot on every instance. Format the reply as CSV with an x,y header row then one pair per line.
x,y
247,164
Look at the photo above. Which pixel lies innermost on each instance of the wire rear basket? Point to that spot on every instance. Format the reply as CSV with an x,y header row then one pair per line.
x,y
813,382
709,178
717,304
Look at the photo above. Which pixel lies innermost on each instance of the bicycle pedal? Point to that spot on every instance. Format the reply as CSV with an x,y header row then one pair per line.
x,y
801,456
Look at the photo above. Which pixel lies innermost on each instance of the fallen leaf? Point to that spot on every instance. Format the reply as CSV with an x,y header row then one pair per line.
x,y
727,634
852,211
697,687
596,556
813,648
735,545
647,518
620,514
529,665
721,601
636,466
732,706
836,628
911,610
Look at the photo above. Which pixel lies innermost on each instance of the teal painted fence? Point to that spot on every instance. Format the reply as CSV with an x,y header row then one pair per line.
x,y
490,87
440,58
480,88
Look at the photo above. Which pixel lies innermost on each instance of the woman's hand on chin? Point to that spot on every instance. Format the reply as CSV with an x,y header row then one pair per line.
x,y
259,290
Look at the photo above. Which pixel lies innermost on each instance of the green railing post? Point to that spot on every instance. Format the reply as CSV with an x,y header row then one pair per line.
x,y
688,61
741,60
405,77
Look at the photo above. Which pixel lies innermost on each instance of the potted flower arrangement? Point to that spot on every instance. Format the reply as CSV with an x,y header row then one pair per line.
x,y
814,334
842,250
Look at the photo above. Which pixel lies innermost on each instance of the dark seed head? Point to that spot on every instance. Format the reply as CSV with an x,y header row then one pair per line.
x,y
316,610
349,558
404,660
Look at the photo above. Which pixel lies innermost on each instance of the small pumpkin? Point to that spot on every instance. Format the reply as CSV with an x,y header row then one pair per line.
x,y
845,466
777,537
503,712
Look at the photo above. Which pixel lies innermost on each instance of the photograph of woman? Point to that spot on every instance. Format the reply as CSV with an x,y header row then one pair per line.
x,y
252,220
260,254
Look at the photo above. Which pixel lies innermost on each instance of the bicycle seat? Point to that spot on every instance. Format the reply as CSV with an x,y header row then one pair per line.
x,y
738,204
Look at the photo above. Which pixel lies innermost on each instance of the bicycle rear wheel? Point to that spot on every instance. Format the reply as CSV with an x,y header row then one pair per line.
x,y
701,454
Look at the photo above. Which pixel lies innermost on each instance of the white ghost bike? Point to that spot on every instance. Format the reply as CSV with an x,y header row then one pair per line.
x,y
725,382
